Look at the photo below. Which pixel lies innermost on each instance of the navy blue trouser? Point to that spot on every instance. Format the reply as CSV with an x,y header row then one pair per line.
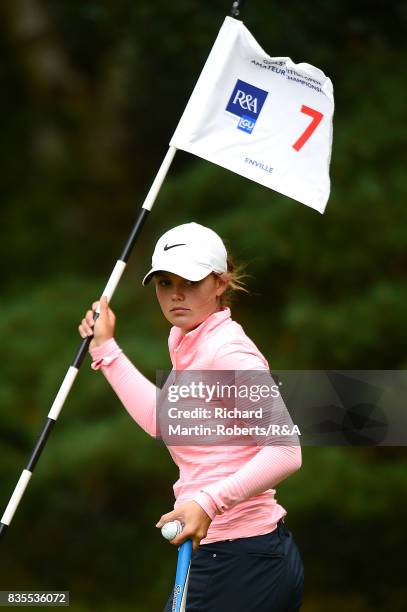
x,y
261,573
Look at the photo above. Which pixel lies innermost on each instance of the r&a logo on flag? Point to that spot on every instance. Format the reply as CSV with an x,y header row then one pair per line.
x,y
246,102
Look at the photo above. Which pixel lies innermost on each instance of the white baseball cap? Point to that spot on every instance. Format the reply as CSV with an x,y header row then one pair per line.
x,y
190,250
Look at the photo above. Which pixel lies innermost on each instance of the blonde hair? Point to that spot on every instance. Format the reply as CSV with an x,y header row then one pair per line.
x,y
235,275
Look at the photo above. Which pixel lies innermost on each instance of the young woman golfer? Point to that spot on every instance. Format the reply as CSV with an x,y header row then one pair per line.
x,y
245,559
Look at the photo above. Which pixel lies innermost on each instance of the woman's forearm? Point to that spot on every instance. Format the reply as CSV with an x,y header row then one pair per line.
x,y
137,394
265,470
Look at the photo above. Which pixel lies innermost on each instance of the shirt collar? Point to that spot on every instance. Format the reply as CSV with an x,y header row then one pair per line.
x,y
215,319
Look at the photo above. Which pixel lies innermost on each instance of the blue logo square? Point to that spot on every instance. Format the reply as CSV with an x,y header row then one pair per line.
x,y
246,124
246,100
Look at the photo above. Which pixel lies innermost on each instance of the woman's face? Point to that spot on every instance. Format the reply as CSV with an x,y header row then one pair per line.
x,y
186,303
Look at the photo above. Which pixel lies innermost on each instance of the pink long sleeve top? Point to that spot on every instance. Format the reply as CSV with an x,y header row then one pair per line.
x,y
235,485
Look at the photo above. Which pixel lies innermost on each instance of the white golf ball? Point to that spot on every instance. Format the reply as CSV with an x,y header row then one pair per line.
x,y
171,529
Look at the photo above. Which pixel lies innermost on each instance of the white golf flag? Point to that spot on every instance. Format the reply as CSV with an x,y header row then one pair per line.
x,y
263,117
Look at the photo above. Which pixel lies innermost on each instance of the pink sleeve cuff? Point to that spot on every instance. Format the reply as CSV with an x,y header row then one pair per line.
x,y
104,354
206,502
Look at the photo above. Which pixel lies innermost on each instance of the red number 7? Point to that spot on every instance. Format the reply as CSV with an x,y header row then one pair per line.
x,y
316,120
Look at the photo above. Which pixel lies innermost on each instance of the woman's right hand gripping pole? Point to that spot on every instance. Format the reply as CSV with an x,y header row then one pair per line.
x,y
103,328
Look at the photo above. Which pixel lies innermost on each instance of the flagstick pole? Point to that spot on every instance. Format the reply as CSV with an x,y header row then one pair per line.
x,y
235,10
73,369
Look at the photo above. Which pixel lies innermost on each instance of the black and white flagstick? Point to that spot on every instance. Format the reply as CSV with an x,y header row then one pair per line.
x,y
84,346
73,369
236,6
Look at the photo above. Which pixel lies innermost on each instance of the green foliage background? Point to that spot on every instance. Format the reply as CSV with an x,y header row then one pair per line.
x,y
91,93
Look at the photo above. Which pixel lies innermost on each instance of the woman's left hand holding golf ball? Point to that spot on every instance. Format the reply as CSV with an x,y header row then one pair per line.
x,y
194,519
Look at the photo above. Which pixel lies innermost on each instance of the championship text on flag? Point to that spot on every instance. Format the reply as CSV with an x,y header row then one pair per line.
x,y
263,117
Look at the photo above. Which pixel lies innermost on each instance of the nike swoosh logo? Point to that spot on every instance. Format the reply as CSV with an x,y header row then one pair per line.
x,y
166,248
